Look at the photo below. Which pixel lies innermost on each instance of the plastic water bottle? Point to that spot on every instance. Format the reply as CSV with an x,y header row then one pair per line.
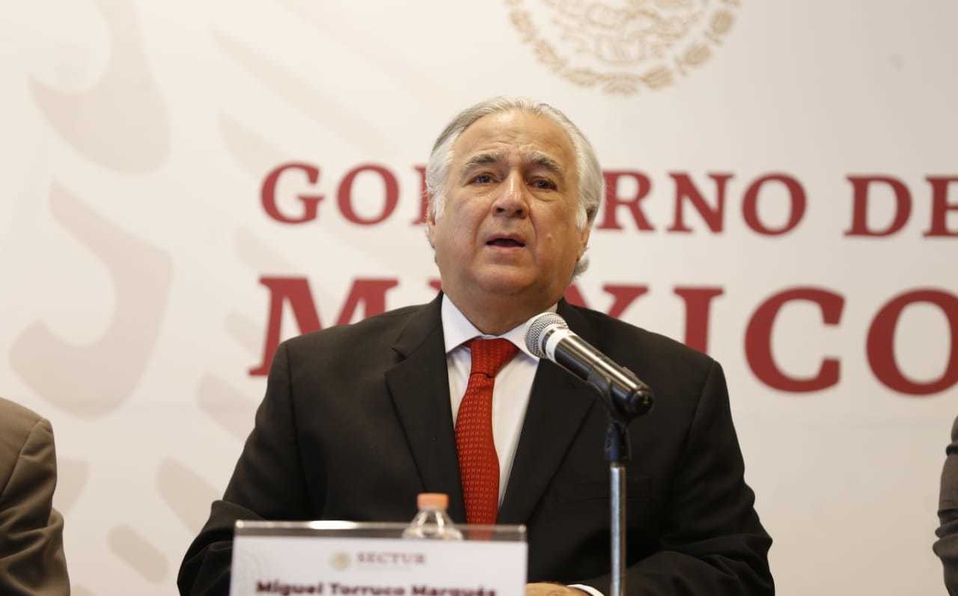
x,y
432,522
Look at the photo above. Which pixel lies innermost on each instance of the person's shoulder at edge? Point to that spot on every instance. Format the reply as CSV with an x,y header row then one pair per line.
x,y
16,423
31,553
17,416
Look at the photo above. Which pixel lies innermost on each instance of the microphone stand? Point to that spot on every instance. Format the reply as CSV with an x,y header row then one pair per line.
x,y
617,452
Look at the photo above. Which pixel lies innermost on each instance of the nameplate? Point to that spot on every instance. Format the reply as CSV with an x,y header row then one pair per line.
x,y
351,559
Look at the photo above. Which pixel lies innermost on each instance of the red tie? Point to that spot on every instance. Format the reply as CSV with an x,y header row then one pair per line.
x,y
478,463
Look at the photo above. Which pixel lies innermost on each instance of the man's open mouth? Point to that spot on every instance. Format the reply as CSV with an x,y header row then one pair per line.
x,y
505,243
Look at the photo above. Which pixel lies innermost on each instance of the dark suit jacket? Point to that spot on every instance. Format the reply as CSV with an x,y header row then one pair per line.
x,y
947,545
357,421
31,531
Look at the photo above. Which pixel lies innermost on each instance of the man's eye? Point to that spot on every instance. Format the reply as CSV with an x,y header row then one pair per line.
x,y
543,184
482,179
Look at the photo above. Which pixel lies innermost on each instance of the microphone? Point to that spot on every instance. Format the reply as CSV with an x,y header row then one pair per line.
x,y
548,336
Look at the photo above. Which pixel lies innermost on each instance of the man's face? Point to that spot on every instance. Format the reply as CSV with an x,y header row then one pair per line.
x,y
509,224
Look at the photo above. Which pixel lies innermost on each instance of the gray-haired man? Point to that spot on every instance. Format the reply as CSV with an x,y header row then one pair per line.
x,y
359,419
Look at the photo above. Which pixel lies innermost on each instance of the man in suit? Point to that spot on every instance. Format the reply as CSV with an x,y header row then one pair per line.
x,y
359,419
946,546
31,531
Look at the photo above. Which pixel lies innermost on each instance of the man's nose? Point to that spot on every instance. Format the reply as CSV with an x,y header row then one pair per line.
x,y
512,201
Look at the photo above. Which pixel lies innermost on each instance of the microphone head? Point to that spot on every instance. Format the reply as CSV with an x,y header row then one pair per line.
x,y
536,328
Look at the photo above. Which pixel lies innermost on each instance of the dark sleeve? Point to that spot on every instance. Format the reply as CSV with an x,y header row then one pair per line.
x,y
268,483
947,545
712,541
31,531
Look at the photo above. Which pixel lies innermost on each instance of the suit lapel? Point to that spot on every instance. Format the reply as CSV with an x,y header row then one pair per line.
x,y
419,387
557,408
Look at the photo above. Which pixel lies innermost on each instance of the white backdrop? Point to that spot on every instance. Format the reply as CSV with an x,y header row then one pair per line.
x,y
139,137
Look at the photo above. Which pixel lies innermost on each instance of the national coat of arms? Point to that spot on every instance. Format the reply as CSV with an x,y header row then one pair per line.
x,y
624,46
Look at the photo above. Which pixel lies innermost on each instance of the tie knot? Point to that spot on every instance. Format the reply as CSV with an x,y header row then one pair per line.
x,y
490,355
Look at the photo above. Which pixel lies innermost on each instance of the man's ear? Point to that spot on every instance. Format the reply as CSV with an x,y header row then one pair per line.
x,y
430,225
584,238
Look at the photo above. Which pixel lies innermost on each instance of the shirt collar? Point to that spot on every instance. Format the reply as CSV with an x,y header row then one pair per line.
x,y
456,329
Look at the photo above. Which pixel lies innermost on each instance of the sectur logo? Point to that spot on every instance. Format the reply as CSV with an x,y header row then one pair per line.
x,y
626,45
340,561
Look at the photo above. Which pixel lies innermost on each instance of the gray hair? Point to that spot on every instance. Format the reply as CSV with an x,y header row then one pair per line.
x,y
587,165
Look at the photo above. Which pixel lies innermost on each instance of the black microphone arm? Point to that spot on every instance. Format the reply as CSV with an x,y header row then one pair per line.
x,y
548,336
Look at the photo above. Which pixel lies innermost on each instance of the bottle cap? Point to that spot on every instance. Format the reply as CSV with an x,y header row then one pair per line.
x,y
432,501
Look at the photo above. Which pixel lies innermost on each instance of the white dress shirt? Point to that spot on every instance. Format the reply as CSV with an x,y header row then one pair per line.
x,y
510,393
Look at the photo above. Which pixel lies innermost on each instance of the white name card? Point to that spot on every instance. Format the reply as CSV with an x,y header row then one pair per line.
x,y
349,559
